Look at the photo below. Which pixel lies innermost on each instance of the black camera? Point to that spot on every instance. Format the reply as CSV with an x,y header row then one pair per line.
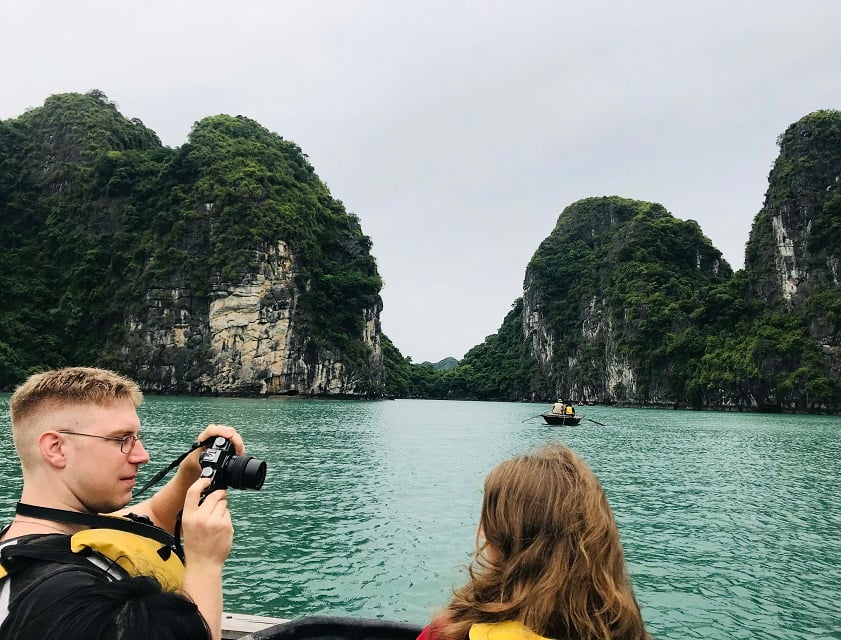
x,y
226,469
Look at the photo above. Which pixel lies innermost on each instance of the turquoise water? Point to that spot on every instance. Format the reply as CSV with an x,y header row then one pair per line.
x,y
730,521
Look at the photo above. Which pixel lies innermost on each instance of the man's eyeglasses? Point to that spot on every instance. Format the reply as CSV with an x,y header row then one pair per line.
x,y
126,442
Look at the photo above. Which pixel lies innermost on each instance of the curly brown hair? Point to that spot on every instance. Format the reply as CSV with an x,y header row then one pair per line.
x,y
551,556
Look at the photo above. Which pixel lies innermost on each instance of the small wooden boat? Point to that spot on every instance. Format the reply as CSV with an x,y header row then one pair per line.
x,y
561,419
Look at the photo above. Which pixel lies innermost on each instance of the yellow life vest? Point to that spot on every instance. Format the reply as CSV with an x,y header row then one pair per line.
x,y
510,630
136,554
134,547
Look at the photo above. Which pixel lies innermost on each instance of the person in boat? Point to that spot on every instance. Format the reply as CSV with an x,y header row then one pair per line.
x,y
548,560
136,608
559,407
570,410
77,434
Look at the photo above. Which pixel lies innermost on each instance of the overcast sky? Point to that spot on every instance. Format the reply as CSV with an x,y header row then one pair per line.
x,y
458,131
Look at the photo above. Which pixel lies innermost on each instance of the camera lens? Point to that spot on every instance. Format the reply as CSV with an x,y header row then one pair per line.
x,y
245,472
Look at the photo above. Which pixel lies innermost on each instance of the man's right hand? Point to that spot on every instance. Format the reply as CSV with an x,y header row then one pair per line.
x,y
207,527
208,536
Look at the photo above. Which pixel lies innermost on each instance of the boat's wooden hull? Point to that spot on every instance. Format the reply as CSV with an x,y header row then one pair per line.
x,y
561,420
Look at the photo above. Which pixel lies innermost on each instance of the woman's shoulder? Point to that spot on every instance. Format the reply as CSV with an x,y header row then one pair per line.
x,y
426,633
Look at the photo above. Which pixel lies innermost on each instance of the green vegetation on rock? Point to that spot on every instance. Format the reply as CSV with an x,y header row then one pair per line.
x,y
625,303
104,229
97,216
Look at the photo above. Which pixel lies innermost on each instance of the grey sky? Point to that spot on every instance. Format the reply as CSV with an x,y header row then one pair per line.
x,y
458,131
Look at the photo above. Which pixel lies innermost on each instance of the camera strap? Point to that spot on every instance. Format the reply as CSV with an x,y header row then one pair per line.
x,y
160,474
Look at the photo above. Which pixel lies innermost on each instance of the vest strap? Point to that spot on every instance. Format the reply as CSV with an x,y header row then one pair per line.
x,y
97,521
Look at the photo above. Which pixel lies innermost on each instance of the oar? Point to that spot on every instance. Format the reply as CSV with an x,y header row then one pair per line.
x,y
594,421
531,418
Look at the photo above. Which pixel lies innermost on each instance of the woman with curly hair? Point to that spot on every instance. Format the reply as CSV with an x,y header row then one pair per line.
x,y
548,559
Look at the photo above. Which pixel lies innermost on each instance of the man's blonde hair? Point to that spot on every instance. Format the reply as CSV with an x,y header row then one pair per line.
x,y
71,386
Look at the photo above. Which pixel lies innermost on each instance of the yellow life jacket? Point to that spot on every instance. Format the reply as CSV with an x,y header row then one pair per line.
x,y
510,630
111,554
136,548
136,554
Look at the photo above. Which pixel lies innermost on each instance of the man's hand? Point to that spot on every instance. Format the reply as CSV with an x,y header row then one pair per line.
x,y
163,507
208,536
207,527
190,467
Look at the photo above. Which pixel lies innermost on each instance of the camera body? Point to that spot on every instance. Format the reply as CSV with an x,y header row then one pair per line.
x,y
220,463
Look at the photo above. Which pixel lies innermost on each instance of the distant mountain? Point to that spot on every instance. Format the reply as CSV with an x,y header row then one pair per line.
x,y
442,365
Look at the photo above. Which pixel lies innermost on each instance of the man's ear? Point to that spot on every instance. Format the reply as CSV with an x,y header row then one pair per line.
x,y
50,444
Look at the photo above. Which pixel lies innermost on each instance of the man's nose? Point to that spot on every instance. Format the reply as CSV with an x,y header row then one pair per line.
x,y
138,454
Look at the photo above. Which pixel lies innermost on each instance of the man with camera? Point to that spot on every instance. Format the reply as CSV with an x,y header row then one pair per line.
x,y
76,431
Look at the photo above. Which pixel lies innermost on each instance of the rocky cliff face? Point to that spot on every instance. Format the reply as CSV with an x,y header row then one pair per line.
x,y
536,328
595,369
793,257
242,340
793,248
